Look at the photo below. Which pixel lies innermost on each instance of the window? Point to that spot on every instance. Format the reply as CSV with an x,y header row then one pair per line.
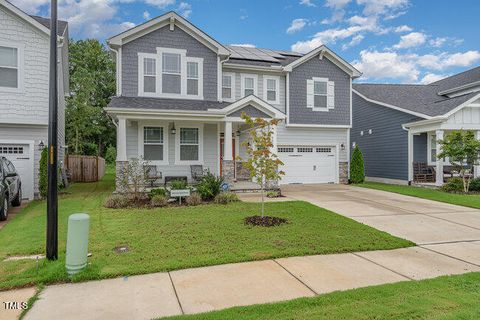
x,y
227,87
271,88
153,143
249,84
324,150
189,144
9,73
320,94
192,78
433,148
11,150
171,73
149,75
285,149
304,150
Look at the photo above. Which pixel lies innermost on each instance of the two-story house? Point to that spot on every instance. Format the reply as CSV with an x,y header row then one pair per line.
x,y
180,95
24,93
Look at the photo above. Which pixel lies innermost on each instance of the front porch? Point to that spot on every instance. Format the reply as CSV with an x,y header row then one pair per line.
x,y
179,145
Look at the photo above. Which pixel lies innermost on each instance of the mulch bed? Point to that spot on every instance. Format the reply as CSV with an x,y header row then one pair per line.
x,y
265,221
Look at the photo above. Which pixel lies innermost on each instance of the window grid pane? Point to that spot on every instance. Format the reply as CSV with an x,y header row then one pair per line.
x,y
227,82
188,135
271,84
171,63
271,95
153,135
8,57
153,152
149,67
320,87
192,70
249,83
8,77
189,152
227,93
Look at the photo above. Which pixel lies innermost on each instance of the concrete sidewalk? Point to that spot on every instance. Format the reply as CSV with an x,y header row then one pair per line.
x,y
449,238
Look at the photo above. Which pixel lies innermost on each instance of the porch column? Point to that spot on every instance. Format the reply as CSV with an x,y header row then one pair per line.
x,y
227,141
476,169
439,168
410,155
122,140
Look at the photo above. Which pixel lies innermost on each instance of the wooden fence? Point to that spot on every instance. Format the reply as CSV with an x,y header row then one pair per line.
x,y
85,168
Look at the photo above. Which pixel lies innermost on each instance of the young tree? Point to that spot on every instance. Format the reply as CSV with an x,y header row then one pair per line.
x,y
462,149
262,162
357,166
92,84
133,178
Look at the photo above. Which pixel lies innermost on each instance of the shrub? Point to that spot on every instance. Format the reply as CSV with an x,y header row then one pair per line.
x,y
193,200
110,155
273,194
43,180
159,201
117,201
453,185
357,167
226,197
157,192
475,185
210,186
178,184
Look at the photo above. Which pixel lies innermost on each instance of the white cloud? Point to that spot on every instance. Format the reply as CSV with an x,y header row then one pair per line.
x,y
337,4
411,40
355,40
403,28
248,45
431,77
307,3
389,8
30,6
160,3
146,15
297,25
185,9
408,67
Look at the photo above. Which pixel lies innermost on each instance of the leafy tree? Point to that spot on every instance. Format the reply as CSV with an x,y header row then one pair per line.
x,y
262,162
92,84
111,155
43,180
357,166
462,149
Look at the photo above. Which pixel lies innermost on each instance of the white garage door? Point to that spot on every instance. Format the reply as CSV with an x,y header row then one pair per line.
x,y
21,157
316,164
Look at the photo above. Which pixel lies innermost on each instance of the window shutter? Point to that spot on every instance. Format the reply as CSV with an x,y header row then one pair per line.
x,y
310,94
331,95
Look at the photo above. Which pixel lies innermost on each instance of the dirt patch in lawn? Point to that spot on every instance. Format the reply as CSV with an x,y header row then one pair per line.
x,y
264,221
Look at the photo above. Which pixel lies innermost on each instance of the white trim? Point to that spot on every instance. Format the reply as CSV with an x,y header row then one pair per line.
x,y
166,133
31,144
199,62
351,103
420,115
24,16
219,79
439,164
219,156
325,52
410,156
312,84
122,139
20,66
198,126
158,78
162,21
287,98
348,150
232,85
293,125
243,76
460,88
277,89
466,103
253,101
387,180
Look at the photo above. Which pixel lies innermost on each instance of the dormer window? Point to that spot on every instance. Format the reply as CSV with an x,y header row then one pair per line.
x,y
170,74
320,94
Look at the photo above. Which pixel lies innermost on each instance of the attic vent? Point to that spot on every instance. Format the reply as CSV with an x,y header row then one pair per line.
x,y
172,23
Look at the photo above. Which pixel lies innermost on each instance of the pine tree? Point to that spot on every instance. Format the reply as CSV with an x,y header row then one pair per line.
x,y
357,167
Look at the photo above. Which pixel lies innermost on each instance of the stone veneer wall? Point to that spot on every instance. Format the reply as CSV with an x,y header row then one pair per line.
x,y
242,172
343,173
228,171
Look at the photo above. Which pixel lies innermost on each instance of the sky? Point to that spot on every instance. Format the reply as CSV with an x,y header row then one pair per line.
x,y
389,41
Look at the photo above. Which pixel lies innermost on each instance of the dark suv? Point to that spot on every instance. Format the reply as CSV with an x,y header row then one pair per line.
x,y
10,187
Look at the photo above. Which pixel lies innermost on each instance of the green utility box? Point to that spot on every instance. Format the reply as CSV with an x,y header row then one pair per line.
x,y
77,242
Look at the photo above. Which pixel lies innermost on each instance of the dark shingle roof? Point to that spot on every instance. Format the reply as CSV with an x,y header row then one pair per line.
x,y
422,99
165,104
61,26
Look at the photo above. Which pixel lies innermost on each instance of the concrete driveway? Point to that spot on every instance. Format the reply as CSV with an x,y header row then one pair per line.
x,y
421,221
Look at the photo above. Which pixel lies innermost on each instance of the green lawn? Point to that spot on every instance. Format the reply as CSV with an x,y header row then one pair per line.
x,y
453,297
175,238
466,200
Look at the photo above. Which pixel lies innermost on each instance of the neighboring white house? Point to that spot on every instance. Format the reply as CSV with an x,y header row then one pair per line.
x,y
24,76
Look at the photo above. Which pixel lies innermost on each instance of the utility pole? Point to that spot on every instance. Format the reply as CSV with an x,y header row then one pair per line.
x,y
52,205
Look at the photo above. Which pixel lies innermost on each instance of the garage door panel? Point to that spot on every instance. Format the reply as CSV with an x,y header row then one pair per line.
x,y
22,158
316,164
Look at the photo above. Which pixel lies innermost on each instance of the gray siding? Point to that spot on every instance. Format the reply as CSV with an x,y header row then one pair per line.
x,y
420,148
177,39
251,111
298,111
385,150
210,150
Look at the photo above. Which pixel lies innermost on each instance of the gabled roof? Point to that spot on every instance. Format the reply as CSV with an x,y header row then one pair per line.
x,y
324,51
251,100
164,104
161,21
61,25
424,100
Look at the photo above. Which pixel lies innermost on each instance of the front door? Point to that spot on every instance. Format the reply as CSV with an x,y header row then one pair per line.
x,y
221,153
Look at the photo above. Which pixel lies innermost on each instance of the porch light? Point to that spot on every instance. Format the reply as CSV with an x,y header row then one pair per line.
x,y
342,146
238,133
41,145
173,131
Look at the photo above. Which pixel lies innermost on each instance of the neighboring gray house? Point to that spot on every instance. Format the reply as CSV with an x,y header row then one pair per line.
x,y
180,95
24,76
397,125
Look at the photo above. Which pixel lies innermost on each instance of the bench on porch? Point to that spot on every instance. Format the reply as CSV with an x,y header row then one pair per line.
x,y
423,173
